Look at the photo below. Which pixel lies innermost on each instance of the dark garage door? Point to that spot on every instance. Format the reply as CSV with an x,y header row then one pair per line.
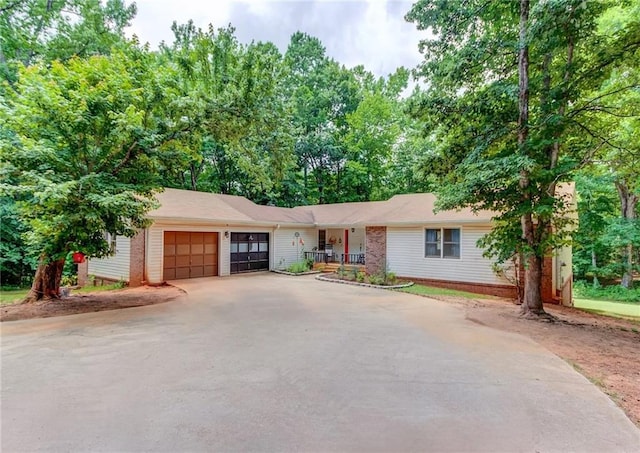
x,y
249,252
190,255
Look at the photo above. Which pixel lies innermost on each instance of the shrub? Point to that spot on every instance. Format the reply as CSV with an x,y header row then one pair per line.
x,y
69,280
376,279
310,263
298,267
614,293
391,278
360,276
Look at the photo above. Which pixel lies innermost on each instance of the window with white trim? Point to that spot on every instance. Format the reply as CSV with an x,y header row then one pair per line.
x,y
111,240
442,243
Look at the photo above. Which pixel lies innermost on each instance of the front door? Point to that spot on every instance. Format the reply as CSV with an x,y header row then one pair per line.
x,y
249,252
322,239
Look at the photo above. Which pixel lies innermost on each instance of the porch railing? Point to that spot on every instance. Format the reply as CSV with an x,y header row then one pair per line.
x,y
320,257
352,258
343,258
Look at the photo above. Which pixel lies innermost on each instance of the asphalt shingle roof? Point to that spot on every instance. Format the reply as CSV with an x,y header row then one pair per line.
x,y
399,210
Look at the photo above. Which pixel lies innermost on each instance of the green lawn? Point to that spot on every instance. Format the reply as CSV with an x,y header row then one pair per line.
x,y
603,307
423,290
13,296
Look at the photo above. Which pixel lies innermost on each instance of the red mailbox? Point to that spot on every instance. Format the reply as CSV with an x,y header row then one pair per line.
x,y
78,257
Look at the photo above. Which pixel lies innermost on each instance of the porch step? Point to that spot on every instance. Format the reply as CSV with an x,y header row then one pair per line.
x,y
333,267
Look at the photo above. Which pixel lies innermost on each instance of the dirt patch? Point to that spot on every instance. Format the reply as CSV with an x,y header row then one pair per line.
x,y
605,350
91,302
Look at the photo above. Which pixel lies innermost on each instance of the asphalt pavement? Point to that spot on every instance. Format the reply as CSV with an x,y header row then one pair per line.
x,y
269,362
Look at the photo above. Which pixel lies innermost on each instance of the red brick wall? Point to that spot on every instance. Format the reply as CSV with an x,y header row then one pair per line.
x,y
478,288
546,286
375,249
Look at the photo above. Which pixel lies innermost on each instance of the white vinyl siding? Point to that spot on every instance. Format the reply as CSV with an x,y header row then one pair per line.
x,y
114,267
406,256
287,249
356,240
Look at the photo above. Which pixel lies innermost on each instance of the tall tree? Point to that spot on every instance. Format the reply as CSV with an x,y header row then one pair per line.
x,y
81,145
236,138
34,30
322,94
504,82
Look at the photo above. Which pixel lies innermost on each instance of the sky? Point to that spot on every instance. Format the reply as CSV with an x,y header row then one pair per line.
x,y
368,32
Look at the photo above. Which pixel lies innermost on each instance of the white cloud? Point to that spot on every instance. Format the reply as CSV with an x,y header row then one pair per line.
x,y
372,33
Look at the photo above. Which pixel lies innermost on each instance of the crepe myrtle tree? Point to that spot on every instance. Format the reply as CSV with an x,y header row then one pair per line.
x,y
79,145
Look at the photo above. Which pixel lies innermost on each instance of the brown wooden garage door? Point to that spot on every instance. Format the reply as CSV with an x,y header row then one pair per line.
x,y
190,255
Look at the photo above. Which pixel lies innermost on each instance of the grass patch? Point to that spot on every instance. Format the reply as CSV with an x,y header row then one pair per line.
x,y
93,289
8,297
423,290
12,296
607,308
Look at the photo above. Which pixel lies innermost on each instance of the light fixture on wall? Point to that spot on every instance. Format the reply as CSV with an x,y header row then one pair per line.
x,y
353,230
226,234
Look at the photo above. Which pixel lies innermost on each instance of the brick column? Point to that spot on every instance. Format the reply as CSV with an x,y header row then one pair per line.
x,y
375,249
546,285
83,273
136,259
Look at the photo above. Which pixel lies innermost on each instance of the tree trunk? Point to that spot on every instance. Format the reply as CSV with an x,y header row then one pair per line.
x,y
628,203
594,265
532,304
532,300
46,283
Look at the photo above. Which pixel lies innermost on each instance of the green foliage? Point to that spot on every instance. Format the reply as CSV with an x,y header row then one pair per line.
x,y
376,279
360,277
584,290
488,158
16,265
34,30
299,267
236,136
80,140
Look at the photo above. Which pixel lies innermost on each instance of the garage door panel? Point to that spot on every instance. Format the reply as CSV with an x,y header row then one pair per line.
x,y
249,252
182,272
183,260
190,254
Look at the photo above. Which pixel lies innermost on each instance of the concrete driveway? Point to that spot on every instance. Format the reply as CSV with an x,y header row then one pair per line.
x,y
274,363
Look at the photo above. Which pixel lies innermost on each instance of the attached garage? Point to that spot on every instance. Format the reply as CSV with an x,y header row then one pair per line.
x,y
190,254
249,252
